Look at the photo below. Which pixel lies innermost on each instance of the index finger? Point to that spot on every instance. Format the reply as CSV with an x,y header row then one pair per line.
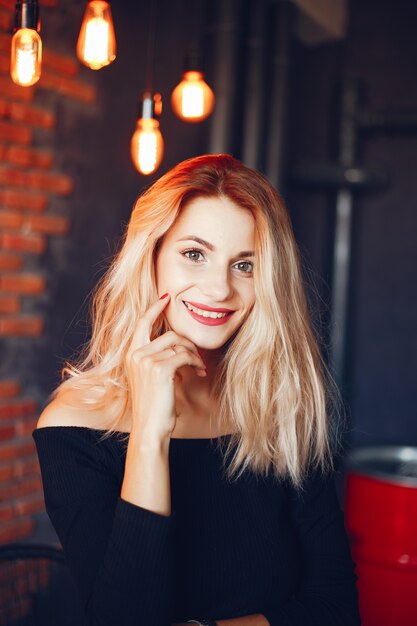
x,y
142,333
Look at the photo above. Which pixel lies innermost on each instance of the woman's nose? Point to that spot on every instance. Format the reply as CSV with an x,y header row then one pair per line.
x,y
217,285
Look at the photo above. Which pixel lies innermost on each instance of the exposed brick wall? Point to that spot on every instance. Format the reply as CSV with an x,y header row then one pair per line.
x,y
29,185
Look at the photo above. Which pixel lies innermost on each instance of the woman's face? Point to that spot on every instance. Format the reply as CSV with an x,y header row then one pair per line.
x,y
213,273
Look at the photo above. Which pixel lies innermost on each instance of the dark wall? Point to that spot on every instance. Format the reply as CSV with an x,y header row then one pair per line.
x,y
381,51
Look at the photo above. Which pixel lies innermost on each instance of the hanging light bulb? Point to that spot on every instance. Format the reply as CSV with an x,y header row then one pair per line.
x,y
147,144
192,99
96,45
26,49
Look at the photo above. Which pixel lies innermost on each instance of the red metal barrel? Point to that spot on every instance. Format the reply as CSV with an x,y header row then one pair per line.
x,y
381,519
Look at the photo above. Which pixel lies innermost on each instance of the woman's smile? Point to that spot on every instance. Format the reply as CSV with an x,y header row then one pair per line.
x,y
207,317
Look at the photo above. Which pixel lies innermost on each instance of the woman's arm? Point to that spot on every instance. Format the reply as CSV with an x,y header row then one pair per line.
x,y
146,480
120,554
327,593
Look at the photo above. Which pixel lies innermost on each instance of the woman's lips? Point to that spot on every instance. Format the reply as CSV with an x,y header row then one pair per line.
x,y
205,307
208,321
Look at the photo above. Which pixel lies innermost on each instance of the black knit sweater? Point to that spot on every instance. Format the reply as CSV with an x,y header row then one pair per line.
x,y
228,549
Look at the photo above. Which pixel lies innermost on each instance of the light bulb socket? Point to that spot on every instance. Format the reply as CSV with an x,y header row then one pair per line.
x,y
150,105
27,15
193,60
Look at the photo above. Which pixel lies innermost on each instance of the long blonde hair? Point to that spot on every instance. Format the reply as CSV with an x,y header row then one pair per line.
x,y
272,382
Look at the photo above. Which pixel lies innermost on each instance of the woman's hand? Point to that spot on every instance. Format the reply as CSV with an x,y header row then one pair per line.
x,y
152,370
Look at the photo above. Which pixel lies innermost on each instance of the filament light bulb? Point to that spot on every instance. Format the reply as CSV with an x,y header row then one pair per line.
x,y
96,45
147,146
192,99
26,49
26,57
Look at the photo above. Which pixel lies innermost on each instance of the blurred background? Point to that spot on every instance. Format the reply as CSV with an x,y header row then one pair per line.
x,y
320,95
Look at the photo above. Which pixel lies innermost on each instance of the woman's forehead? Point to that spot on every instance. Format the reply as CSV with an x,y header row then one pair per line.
x,y
213,215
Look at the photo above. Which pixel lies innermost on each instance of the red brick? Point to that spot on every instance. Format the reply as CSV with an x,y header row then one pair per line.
x,y
9,388
49,224
16,490
59,63
10,4
20,467
29,506
6,20
11,219
17,450
34,244
8,306
26,427
9,89
17,427
7,432
22,508
24,467
6,472
29,284
67,87
21,200
29,326
17,529
7,512
16,133
4,62
7,4
18,112
57,183
10,262
26,157
48,3
17,408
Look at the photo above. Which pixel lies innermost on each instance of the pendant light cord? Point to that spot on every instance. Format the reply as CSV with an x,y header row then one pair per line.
x,y
150,53
198,30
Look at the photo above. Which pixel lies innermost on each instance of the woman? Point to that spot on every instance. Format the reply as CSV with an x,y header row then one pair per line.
x,y
187,458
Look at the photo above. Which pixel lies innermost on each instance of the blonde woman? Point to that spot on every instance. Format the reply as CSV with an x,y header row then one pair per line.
x,y
187,456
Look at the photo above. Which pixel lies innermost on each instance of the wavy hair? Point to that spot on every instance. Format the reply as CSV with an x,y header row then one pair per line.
x,y
272,382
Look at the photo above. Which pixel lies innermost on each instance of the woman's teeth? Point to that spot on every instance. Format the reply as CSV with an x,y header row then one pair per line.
x,y
204,313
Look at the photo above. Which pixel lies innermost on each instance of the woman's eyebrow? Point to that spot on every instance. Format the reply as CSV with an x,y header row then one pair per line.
x,y
210,246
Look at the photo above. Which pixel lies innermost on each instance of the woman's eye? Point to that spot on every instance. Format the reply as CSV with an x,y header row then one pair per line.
x,y
245,264
193,254
246,267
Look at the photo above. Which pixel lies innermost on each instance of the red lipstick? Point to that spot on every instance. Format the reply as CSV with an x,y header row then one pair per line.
x,y
205,307
209,321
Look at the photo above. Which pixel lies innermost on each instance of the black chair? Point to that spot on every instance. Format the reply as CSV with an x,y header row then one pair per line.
x,y
36,588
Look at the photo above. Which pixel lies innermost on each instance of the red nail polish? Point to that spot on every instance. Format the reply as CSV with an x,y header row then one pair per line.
x,y
164,296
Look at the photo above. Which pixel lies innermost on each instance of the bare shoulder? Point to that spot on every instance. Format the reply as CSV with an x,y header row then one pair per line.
x,y
58,413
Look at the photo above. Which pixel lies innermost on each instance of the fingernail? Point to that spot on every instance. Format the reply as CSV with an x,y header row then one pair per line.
x,y
164,296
